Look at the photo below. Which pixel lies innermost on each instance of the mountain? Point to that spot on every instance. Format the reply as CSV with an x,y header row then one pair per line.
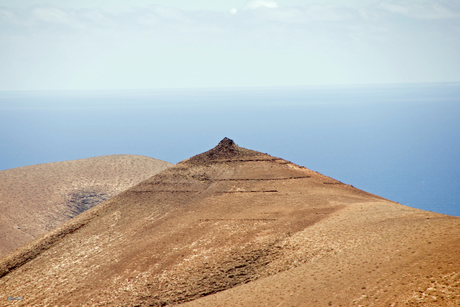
x,y
35,199
236,227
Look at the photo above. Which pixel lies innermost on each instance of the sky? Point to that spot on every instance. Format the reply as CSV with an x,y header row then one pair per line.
x,y
140,44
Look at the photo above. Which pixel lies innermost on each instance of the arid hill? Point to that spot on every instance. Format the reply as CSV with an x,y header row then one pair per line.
x,y
235,227
35,199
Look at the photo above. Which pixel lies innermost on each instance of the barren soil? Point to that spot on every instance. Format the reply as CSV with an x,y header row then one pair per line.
x,y
35,199
234,227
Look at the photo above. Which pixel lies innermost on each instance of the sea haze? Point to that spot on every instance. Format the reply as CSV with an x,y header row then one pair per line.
x,y
401,142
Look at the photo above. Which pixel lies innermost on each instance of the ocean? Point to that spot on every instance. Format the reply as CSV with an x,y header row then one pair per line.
x,y
399,141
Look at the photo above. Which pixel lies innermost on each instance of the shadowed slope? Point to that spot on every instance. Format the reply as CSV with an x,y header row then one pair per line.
x,y
215,225
35,199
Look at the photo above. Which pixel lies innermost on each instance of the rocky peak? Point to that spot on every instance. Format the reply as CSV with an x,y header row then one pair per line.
x,y
226,149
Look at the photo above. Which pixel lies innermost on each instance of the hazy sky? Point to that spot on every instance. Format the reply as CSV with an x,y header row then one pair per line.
x,y
137,44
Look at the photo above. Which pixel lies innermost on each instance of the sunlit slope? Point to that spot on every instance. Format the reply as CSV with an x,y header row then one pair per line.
x,y
367,254
230,227
35,199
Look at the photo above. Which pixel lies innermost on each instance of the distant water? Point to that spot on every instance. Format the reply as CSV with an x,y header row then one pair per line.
x,y
401,142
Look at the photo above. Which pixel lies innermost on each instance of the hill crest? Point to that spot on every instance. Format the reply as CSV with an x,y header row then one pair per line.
x,y
225,150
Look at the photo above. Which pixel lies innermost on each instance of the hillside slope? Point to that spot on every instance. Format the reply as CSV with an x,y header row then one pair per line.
x,y
232,227
35,199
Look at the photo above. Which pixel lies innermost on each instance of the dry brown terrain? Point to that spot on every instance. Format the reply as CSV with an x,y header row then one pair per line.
x,y
35,199
235,227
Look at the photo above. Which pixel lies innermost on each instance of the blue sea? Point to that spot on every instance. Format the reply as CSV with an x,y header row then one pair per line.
x,y
400,141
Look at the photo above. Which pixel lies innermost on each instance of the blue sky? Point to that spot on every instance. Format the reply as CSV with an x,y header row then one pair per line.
x,y
60,45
